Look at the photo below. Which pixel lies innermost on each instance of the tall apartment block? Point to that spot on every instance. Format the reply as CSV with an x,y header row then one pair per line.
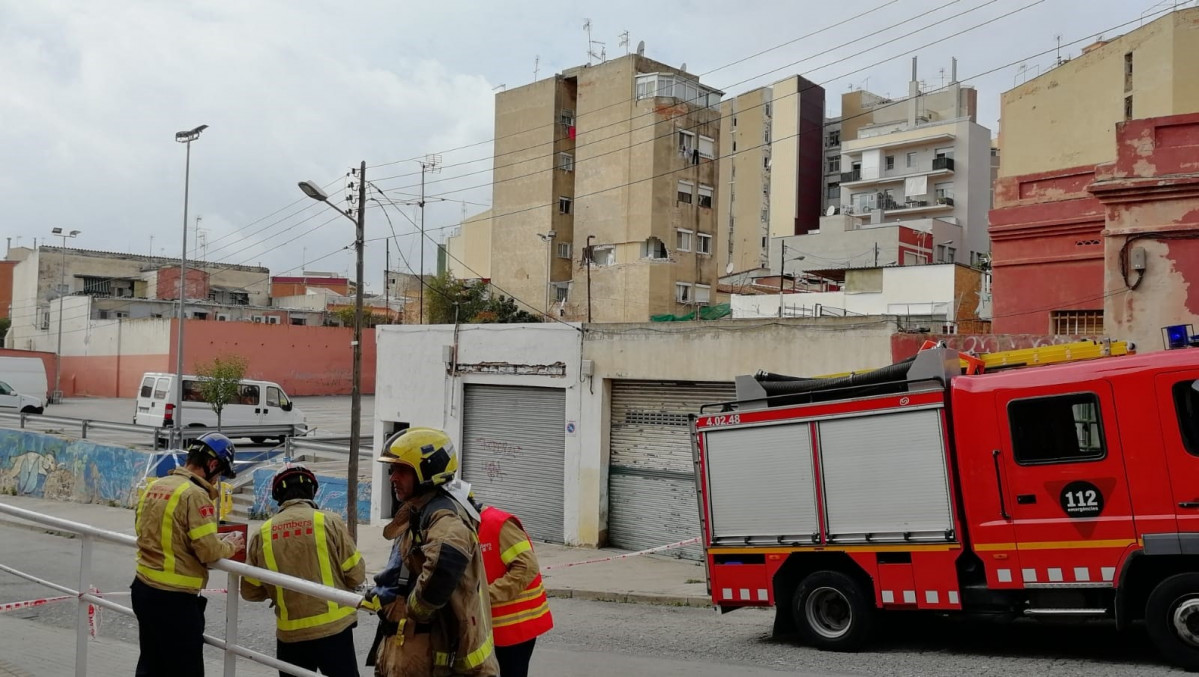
x,y
617,157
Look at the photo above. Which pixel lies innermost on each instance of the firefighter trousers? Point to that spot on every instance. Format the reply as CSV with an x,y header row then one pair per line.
x,y
334,656
170,632
514,660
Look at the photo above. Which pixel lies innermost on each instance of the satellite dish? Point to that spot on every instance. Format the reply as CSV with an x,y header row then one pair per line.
x,y
641,48
683,67
832,209
728,270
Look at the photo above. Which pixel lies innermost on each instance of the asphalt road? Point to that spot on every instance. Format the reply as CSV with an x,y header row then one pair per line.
x,y
598,638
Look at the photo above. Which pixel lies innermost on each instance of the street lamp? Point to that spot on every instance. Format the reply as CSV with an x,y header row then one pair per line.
x,y
314,191
56,396
185,137
548,238
783,274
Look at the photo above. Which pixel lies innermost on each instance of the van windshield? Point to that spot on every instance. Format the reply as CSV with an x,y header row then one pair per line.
x,y
6,389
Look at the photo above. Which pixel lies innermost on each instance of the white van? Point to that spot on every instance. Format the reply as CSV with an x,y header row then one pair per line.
x,y
26,375
11,399
257,403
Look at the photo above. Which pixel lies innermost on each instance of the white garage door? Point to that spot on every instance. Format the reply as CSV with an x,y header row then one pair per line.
x,y
651,474
513,446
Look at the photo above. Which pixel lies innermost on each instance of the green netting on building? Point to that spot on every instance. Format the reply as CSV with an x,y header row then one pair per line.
x,y
706,313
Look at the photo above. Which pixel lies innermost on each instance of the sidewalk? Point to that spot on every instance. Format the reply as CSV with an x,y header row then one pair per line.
x,y
645,579
51,651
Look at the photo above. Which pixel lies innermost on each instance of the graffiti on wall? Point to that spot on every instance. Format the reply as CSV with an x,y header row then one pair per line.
x,y
45,466
330,495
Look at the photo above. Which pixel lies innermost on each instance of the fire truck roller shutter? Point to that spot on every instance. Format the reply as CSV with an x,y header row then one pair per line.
x,y
513,453
651,478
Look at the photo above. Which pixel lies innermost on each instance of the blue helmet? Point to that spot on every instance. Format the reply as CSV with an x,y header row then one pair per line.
x,y
219,447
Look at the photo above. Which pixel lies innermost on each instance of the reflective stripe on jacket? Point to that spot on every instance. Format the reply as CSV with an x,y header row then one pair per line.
x,y
314,545
176,527
519,608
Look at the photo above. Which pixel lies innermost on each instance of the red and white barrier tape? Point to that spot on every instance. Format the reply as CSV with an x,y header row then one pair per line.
x,y
648,551
13,606
93,611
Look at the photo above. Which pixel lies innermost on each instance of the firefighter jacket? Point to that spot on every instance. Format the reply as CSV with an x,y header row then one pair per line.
x,y
444,621
519,608
176,528
312,544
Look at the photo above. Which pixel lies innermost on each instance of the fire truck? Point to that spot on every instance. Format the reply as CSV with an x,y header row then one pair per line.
x,y
1049,483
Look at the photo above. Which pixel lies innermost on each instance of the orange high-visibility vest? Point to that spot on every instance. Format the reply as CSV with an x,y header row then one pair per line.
x,y
528,615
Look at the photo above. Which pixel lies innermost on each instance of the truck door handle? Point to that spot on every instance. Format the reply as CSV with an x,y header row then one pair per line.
x,y
999,484
1189,504
1025,499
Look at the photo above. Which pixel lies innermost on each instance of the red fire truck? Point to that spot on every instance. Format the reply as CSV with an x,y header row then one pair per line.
x,y
1067,490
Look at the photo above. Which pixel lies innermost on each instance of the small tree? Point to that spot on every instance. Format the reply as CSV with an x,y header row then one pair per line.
x,y
219,382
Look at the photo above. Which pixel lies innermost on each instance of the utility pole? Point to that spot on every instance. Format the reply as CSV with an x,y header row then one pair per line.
x,y
589,259
782,271
876,255
429,164
356,388
387,279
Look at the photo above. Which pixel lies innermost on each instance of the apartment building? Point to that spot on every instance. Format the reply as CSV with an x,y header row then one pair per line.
x,y
619,156
915,183
771,166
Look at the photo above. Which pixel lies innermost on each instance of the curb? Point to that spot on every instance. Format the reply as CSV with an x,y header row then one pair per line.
x,y
693,601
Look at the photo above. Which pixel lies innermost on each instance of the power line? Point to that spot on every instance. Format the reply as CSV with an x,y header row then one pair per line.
x,y
624,101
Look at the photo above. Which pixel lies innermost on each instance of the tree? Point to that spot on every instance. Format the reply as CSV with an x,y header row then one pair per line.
x,y
219,381
5,323
448,299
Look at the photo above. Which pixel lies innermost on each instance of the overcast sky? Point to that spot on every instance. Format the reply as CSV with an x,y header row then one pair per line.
x,y
93,91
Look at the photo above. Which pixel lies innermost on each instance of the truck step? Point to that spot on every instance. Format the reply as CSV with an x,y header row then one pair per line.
x,y
1065,612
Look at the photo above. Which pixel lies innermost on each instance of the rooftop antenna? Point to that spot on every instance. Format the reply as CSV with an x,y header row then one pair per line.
x,y
624,42
942,73
1058,37
536,66
500,88
587,28
602,56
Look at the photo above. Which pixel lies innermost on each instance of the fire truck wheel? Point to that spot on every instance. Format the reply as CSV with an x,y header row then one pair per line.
x,y
832,611
1172,619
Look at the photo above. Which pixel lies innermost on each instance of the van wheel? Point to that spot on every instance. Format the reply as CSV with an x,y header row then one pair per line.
x,y
30,409
833,612
258,440
1172,620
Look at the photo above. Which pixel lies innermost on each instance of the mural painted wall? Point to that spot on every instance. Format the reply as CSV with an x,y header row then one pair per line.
x,y
330,495
45,466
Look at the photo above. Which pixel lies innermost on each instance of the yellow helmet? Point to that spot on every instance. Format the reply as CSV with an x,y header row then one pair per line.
x,y
428,451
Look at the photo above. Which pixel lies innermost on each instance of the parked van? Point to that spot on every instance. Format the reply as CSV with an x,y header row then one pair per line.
x,y
25,375
11,399
257,403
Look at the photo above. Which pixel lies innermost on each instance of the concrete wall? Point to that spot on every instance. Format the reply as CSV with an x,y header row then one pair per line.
x,y
167,284
470,251
904,346
45,466
900,291
1067,117
419,390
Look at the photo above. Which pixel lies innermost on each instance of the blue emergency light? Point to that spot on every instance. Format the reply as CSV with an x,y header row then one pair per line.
x,y
1179,336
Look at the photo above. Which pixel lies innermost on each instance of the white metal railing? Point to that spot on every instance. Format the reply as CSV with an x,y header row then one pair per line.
x,y
88,535
155,434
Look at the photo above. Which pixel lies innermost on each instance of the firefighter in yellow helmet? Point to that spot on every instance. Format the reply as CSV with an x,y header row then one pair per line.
x,y
441,614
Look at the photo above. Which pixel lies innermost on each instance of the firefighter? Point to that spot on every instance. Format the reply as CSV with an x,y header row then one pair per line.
x,y
177,539
312,544
520,611
440,613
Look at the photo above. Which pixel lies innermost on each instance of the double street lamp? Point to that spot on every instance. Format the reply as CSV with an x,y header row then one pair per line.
x,y
56,396
314,191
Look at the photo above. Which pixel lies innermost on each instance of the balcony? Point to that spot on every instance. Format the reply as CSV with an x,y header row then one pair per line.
x,y
941,166
943,163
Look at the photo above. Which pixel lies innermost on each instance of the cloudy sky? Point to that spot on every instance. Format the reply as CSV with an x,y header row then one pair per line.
x,y
93,91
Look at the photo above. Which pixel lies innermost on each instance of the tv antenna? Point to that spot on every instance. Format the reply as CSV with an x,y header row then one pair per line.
x,y
536,66
602,56
624,42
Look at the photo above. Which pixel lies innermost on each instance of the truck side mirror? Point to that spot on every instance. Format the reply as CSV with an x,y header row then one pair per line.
x,y
286,406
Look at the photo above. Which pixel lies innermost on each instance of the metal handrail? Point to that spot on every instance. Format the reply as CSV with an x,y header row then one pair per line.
x,y
155,433
294,444
89,534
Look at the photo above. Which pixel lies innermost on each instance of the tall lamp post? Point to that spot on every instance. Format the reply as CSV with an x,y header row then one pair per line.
x,y
314,191
185,137
56,396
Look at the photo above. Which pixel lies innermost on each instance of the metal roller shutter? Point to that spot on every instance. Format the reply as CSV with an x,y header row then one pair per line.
x,y
513,451
651,478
